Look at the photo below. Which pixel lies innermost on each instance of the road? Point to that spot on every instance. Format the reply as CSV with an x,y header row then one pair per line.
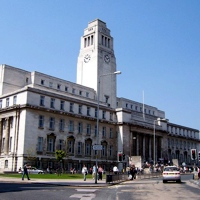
x,y
148,189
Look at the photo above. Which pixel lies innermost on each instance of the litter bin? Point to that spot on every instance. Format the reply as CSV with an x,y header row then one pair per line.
x,y
195,176
108,178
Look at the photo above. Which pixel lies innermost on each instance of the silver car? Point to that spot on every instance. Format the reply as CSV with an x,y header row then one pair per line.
x,y
33,170
171,173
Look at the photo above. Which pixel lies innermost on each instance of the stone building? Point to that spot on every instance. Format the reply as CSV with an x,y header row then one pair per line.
x,y
40,114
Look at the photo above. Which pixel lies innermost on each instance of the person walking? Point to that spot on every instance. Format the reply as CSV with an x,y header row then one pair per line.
x,y
25,171
84,172
115,169
94,170
100,172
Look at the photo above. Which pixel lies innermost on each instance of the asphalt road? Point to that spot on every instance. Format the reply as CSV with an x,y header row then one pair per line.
x,y
148,189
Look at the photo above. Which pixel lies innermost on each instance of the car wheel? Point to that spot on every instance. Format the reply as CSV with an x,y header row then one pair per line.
x,y
164,181
178,181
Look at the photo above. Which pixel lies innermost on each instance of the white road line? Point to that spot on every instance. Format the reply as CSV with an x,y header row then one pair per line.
x,y
83,196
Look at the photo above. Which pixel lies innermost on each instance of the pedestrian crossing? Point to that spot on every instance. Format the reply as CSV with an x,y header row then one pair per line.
x,y
84,194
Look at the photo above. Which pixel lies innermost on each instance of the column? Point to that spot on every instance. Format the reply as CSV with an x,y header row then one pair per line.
x,y
1,133
6,147
150,152
143,150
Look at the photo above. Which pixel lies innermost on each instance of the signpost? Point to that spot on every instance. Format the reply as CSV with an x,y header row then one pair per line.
x,y
97,147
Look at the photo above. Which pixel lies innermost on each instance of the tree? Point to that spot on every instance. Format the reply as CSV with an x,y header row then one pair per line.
x,y
60,154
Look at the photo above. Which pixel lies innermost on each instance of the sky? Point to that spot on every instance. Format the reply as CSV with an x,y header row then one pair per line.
x,y
156,44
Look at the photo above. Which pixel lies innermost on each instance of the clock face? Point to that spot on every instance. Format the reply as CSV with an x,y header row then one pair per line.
x,y
87,58
107,58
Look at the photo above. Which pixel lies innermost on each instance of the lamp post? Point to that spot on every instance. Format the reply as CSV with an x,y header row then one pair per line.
x,y
154,137
98,94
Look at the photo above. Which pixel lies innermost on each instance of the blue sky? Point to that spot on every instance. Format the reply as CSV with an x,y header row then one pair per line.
x,y
156,43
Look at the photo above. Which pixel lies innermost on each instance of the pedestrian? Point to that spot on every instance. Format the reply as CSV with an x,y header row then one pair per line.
x,y
84,172
25,171
94,170
115,169
198,168
100,172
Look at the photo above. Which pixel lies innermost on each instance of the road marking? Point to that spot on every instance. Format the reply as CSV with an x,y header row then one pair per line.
x,y
83,196
86,190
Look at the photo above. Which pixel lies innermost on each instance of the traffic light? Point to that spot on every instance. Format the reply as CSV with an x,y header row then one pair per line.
x,y
120,156
193,154
124,156
199,155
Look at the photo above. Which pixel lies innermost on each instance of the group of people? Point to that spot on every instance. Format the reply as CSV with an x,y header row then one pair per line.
x,y
96,171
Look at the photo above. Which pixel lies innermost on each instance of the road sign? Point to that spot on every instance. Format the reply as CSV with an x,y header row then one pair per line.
x,y
97,147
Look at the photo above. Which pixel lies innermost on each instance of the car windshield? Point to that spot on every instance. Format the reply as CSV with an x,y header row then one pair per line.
x,y
171,169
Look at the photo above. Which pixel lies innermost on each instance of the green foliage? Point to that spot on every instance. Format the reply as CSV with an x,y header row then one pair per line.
x,y
60,154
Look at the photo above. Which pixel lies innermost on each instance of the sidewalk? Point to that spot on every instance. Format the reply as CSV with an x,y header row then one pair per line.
x,y
61,182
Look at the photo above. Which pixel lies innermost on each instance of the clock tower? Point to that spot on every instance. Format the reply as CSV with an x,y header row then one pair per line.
x,y
96,62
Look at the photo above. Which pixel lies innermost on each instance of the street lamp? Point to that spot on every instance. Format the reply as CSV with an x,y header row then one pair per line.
x,y
154,137
98,94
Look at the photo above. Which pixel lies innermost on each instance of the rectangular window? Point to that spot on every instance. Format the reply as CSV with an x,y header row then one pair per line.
x,y
80,92
62,105
104,131
110,150
10,144
104,150
42,82
41,121
42,100
111,133
73,90
61,125
0,103
71,107
87,149
111,116
104,114
79,109
7,102
66,88
51,145
58,86
14,100
71,126
70,146
87,94
88,129
80,127
52,123
88,111
40,144
60,145
79,148
52,103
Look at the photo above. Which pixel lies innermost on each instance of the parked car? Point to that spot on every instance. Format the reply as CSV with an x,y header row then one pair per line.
x,y
171,173
33,170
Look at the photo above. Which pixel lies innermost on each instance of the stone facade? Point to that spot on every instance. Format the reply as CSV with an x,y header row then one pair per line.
x,y
41,114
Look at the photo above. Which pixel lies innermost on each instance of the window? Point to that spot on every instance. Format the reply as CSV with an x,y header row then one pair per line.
x,y
7,102
14,100
40,144
80,127
80,92
71,126
79,148
111,116
42,100
95,114
110,150
10,144
71,107
88,129
62,105
80,109
104,114
27,80
95,131
70,146
0,103
52,123
52,103
58,86
50,144
111,133
104,150
87,94
88,111
106,99
6,164
50,84
87,148
66,88
136,107
104,131
61,144
73,90
41,121
61,125
42,82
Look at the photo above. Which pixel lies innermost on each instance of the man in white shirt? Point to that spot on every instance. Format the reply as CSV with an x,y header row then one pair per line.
x,y
115,170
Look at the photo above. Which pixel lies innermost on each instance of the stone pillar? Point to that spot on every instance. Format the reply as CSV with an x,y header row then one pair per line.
x,y
1,133
150,152
6,147
143,150
137,149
